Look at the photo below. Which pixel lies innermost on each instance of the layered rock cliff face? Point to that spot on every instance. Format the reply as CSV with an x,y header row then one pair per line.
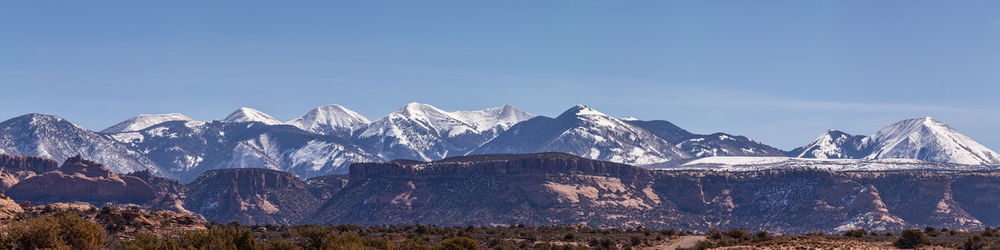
x,y
555,188
563,189
81,180
14,168
489,190
250,195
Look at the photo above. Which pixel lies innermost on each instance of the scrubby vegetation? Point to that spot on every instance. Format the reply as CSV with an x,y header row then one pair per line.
x,y
235,236
66,231
117,228
855,239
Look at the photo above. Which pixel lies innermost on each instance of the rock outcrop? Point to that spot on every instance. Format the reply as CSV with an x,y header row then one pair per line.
x,y
82,180
14,168
8,208
250,195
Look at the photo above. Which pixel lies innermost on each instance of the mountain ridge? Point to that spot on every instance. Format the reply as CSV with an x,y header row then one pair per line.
x,y
311,146
918,138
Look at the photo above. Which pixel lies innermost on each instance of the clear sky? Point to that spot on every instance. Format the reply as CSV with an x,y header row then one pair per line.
x,y
781,72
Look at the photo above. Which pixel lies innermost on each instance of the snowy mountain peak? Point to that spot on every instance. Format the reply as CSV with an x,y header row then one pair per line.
x,y
586,132
36,118
331,119
582,111
501,118
833,144
430,116
930,140
245,114
144,121
416,107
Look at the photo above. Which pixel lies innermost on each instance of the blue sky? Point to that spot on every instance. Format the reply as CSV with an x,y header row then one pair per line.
x,y
781,72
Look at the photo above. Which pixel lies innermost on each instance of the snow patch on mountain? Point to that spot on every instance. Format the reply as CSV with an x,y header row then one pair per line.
x,y
331,119
743,163
144,121
423,132
498,118
245,114
833,145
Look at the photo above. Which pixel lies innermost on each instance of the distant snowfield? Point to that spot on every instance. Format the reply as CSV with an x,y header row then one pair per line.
x,y
745,163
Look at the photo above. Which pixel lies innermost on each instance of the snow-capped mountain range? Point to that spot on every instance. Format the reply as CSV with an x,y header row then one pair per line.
x,y
585,132
920,138
327,139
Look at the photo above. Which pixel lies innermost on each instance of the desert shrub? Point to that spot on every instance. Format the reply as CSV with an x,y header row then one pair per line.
x,y
280,244
635,240
714,234
761,236
35,233
458,243
569,237
739,234
990,232
857,233
143,241
377,243
550,246
415,244
670,232
500,244
312,235
347,240
56,232
911,238
603,243
219,238
975,243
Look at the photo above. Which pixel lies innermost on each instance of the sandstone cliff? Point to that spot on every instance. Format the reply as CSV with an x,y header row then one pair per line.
x,y
14,168
81,180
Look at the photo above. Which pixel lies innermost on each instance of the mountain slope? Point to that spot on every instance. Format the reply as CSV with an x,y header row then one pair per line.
x,y
493,120
697,145
331,120
585,132
930,140
187,149
833,144
423,132
144,121
245,114
53,137
919,139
